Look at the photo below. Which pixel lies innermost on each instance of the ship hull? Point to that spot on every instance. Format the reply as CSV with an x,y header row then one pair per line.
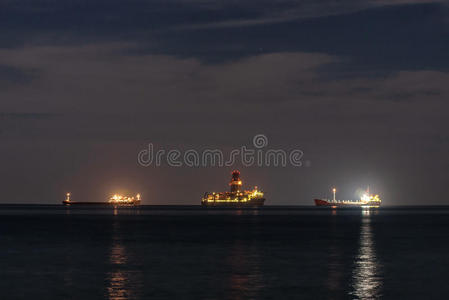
x,y
70,203
327,203
252,203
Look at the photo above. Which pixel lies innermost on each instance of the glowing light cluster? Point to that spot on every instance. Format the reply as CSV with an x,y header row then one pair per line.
x,y
370,198
230,197
119,199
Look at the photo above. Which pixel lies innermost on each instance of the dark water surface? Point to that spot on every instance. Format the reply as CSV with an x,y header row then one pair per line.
x,y
181,252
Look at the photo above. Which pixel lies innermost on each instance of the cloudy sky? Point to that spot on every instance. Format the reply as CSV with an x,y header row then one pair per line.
x,y
361,87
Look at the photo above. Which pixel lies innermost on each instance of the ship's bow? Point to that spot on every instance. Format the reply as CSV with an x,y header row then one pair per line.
x,y
320,202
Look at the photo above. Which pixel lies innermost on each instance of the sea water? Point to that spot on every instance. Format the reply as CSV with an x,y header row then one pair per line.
x,y
188,252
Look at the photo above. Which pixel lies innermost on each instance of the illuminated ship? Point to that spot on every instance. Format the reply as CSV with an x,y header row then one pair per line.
x,y
236,197
115,200
367,200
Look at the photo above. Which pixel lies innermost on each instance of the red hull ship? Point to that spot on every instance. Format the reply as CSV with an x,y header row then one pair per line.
x,y
367,201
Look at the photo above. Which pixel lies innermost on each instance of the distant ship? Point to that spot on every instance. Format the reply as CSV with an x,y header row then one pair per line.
x,y
115,200
236,197
367,200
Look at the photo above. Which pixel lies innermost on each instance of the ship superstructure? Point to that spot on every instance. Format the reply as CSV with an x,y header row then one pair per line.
x,y
367,200
236,197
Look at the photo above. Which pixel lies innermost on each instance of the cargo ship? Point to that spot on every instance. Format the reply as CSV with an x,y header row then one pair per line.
x,y
115,200
236,197
367,200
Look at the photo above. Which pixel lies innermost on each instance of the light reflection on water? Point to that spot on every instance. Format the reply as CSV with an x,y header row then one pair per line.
x,y
367,275
335,279
246,278
123,282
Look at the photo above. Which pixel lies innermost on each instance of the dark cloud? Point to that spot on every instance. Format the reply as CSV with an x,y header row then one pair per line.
x,y
382,39
374,35
10,75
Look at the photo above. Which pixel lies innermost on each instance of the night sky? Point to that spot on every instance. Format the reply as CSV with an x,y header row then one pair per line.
x,y
361,87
